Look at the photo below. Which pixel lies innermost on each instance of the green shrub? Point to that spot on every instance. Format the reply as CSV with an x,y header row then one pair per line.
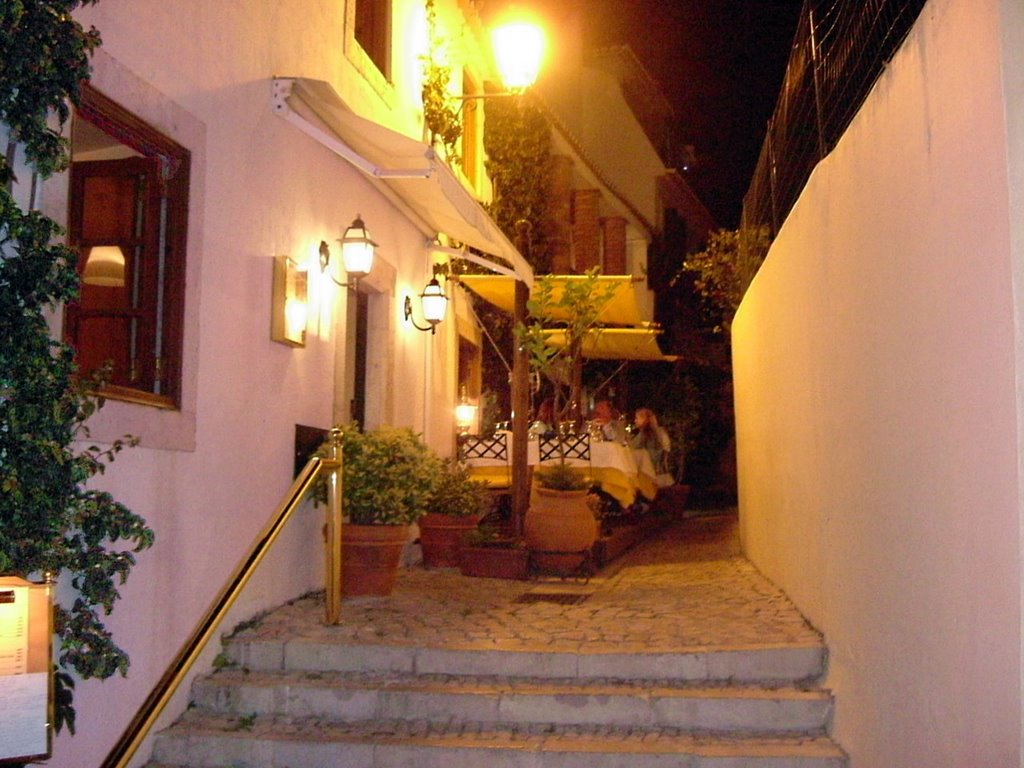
x,y
456,493
388,476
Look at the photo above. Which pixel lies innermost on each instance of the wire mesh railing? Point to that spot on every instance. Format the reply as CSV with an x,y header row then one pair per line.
x,y
839,50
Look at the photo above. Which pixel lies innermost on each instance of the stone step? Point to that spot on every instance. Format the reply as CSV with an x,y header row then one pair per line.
x,y
444,699
203,740
788,663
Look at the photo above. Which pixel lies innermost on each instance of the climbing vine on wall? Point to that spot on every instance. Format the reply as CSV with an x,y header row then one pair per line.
x,y
442,117
517,139
50,521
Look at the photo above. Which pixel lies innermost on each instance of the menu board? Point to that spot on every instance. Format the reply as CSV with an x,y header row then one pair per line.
x,y
25,639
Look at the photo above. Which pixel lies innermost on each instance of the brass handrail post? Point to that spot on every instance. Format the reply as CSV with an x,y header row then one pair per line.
x,y
332,576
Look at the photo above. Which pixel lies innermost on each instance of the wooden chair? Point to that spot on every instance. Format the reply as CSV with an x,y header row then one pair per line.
x,y
575,449
489,461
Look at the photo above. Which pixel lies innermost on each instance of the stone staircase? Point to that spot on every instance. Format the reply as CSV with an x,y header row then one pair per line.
x,y
310,703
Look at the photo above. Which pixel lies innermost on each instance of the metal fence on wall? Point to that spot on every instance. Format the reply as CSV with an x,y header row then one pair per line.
x,y
839,50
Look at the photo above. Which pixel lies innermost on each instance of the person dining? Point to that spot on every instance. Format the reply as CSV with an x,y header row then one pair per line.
x,y
544,424
652,438
608,421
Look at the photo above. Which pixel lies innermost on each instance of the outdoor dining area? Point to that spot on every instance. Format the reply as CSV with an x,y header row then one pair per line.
x,y
572,479
567,531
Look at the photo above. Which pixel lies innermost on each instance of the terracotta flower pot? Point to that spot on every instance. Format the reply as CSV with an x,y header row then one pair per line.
x,y
370,557
441,537
495,562
560,522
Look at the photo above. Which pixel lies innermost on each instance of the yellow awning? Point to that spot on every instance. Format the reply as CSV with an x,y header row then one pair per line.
x,y
616,344
407,171
623,307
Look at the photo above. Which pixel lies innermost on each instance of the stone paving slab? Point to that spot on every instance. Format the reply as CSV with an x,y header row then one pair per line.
x,y
687,590
268,742
350,697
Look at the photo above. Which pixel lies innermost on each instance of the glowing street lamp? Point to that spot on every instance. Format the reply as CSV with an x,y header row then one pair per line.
x,y
518,49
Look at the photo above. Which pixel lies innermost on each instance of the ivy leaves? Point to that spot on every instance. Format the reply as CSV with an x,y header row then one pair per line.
x,y
43,58
518,144
51,522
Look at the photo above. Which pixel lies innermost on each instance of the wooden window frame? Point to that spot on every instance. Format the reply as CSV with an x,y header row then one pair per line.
x,y
175,161
373,32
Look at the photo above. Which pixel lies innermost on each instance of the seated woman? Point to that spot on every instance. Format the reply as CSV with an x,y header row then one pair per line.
x,y
654,439
544,424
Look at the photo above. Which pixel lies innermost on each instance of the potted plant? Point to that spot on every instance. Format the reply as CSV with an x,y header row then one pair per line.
x,y
454,508
487,552
561,525
388,475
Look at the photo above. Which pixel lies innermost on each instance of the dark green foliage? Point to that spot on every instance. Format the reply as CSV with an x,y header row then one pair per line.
x,y
723,271
456,493
43,58
562,477
50,522
518,144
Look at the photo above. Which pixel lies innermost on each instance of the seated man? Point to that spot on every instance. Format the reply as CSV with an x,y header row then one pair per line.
x,y
605,416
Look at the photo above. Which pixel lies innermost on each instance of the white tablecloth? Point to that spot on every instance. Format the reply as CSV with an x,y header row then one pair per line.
x,y
621,471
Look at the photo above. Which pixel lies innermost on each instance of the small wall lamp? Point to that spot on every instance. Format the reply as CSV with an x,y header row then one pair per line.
x,y
290,309
434,303
357,249
465,412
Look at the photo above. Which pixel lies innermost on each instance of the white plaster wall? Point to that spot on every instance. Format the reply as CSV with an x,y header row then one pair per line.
x,y
208,478
608,128
876,360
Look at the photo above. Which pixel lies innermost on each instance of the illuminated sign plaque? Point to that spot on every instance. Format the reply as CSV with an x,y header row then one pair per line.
x,y
26,632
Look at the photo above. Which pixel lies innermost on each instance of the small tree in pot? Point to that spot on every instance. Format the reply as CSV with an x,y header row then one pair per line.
x,y
574,309
560,518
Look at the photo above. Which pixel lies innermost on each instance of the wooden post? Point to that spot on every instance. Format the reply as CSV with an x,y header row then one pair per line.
x,y
520,387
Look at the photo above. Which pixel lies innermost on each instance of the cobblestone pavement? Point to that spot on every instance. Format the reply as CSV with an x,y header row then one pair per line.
x,y
687,588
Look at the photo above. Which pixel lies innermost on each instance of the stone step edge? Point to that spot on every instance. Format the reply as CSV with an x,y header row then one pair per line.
x,y
196,726
791,662
490,685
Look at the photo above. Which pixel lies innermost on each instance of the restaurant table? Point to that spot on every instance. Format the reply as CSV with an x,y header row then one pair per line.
x,y
621,471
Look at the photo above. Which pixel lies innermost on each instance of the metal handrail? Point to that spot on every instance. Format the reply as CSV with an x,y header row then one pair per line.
x,y
138,729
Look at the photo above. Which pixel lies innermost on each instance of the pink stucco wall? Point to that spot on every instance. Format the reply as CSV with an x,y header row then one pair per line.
x,y
208,478
877,406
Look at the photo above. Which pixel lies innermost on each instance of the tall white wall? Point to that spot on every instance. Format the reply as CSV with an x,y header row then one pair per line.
x,y
207,478
877,402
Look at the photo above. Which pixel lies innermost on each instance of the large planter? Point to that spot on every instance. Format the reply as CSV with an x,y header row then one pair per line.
x,y
369,558
441,537
495,562
560,529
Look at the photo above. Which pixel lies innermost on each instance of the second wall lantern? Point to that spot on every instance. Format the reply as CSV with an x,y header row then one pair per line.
x,y
434,304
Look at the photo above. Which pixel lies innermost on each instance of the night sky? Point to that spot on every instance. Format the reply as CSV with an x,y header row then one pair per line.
x,y
721,64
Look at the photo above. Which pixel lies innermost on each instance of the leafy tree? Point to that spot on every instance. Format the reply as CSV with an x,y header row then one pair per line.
x,y
50,521
724,270
570,310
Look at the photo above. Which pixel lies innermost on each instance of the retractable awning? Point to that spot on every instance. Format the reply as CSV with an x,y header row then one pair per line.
x,y
622,308
408,171
617,344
